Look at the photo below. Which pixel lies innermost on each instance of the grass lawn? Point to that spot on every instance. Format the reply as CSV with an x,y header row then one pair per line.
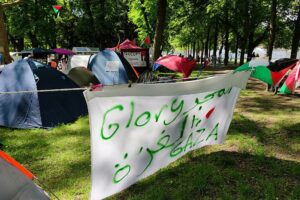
x,y
259,160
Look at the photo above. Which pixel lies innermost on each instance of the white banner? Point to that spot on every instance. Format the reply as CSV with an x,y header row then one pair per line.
x,y
135,59
136,131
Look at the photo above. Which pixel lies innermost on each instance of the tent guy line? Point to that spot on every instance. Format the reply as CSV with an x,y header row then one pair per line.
x,y
174,80
50,90
88,88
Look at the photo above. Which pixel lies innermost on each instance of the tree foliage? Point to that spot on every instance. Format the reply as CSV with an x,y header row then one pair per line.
x,y
97,23
197,25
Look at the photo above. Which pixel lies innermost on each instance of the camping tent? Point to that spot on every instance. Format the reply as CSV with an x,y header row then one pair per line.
x,y
82,77
32,109
126,44
35,64
292,81
110,68
16,181
270,73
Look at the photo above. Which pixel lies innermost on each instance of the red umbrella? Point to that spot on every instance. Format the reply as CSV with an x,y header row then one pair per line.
x,y
177,64
63,51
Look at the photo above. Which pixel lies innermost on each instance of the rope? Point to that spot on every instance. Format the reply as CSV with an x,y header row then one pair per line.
x,y
48,90
173,80
47,188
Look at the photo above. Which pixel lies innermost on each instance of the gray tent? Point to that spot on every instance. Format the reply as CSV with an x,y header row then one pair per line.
x,y
16,183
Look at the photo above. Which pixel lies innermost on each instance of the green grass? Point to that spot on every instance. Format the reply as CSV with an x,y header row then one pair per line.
x,y
259,160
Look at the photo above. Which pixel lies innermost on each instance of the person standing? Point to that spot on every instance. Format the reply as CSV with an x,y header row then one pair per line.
x,y
206,62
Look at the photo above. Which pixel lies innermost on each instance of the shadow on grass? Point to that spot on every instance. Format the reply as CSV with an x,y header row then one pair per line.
x,y
256,99
221,175
283,137
266,104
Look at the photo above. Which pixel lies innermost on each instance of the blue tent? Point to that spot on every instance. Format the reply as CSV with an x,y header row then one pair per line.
x,y
35,110
111,68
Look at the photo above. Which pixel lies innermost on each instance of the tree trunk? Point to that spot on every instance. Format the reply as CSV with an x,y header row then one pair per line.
x,y
215,42
207,42
226,47
226,35
149,30
194,49
160,25
33,39
272,31
4,45
198,47
296,37
243,46
91,22
244,38
209,48
250,47
202,51
17,42
236,50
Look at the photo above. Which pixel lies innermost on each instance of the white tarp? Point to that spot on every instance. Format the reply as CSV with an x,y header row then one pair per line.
x,y
79,61
136,131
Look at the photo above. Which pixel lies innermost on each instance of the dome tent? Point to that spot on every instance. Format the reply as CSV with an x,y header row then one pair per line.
x,y
16,181
111,68
82,77
36,110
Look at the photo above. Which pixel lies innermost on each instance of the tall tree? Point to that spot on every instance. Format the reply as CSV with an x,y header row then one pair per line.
x,y
216,34
160,26
226,33
4,45
296,36
206,51
244,37
257,31
143,9
272,31
90,19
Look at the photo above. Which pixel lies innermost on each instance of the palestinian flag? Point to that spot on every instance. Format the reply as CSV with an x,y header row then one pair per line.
x,y
56,8
290,83
270,73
